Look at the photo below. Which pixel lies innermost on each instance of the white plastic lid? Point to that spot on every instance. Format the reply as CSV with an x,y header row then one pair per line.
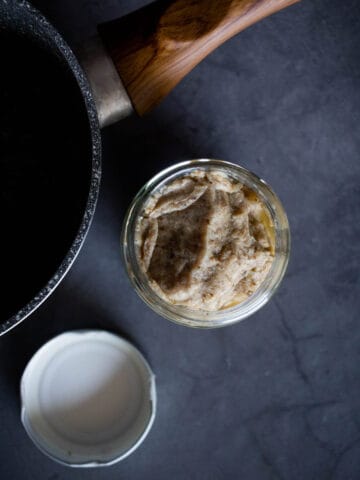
x,y
88,398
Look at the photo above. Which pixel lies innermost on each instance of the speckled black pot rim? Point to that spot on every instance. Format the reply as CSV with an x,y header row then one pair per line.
x,y
25,18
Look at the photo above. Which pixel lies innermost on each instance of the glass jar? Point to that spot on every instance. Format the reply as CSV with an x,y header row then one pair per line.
x,y
183,314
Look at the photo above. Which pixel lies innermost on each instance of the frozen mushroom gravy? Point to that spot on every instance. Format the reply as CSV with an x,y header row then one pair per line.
x,y
204,240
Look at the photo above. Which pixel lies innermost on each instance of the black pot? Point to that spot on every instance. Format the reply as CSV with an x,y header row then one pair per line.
x,y
50,152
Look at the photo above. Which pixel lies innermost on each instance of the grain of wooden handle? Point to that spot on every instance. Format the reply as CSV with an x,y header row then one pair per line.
x,y
155,47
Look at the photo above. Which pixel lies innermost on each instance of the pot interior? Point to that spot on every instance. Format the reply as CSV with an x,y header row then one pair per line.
x,y
46,162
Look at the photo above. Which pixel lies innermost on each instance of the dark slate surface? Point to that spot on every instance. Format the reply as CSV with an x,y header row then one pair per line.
x,y
278,395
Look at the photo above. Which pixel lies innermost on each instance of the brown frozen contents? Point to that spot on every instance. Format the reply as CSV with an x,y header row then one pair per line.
x,y
205,241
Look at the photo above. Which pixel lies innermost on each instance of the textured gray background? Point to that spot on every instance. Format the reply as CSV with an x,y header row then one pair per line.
x,y
278,395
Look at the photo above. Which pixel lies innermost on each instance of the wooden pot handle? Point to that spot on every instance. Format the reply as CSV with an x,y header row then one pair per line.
x,y
155,47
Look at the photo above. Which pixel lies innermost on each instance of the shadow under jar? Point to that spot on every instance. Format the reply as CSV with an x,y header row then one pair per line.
x,y
267,239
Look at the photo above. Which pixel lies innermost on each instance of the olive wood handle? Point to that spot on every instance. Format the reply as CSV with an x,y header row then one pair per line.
x,y
155,47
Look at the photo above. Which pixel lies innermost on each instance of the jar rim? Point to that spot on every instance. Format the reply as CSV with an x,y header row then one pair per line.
x,y
200,318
